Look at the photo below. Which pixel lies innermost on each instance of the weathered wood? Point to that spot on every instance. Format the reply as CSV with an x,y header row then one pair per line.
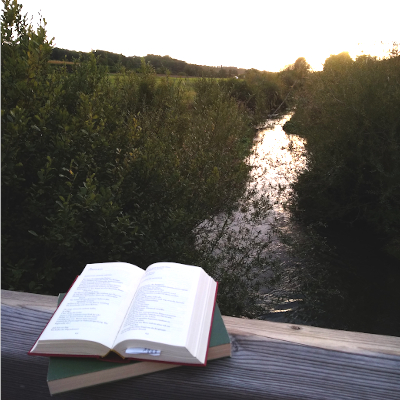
x,y
29,300
269,361
351,342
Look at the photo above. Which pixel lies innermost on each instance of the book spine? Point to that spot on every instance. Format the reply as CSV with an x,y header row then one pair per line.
x,y
211,324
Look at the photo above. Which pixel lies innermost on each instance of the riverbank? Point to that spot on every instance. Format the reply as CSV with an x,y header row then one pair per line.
x,y
369,278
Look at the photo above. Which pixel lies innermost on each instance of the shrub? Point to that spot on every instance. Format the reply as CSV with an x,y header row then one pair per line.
x,y
349,115
261,93
95,171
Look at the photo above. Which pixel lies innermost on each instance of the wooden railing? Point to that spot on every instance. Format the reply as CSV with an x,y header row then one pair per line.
x,y
269,361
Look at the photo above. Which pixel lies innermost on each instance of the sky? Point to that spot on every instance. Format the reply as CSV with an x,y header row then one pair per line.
x,y
266,35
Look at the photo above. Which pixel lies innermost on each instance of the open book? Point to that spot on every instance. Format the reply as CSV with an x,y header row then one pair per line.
x,y
70,373
161,314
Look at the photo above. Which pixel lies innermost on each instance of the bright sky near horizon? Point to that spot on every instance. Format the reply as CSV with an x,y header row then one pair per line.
x,y
261,34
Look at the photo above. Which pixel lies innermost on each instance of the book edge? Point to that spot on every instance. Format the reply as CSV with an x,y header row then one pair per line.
x,y
126,371
30,353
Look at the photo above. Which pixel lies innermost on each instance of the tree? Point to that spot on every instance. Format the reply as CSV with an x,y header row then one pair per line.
x,y
294,74
338,63
301,68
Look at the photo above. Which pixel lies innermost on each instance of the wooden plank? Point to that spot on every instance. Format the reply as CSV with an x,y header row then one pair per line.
x,y
29,300
351,342
261,367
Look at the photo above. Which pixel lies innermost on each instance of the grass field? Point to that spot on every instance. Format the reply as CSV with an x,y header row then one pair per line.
x,y
187,81
113,76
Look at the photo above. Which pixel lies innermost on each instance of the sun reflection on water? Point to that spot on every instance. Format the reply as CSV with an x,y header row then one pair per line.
x,y
276,160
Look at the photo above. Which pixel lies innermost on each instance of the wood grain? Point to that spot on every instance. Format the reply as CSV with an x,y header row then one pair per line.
x,y
269,361
29,300
351,342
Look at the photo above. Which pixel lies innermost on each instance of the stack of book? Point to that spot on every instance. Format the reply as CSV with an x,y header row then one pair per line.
x,y
119,321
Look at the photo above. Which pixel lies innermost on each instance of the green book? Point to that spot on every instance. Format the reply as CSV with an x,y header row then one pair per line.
x,y
70,373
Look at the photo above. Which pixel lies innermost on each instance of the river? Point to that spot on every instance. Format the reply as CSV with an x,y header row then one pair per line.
x,y
277,159
249,245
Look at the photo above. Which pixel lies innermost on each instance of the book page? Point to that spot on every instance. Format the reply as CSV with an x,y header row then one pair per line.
x,y
162,308
95,306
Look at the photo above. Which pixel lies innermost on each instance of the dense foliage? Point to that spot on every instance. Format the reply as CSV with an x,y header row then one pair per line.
x,y
349,113
94,171
128,167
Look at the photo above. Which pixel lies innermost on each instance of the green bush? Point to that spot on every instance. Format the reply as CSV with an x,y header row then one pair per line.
x,y
95,171
349,115
261,93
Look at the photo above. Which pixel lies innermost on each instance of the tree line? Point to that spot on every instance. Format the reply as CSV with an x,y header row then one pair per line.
x,y
162,64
